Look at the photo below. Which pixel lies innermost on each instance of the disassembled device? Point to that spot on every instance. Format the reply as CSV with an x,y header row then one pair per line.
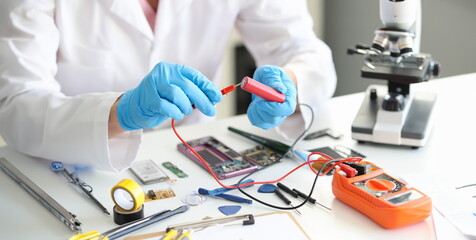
x,y
396,115
387,201
148,172
74,179
54,207
262,155
224,161
178,172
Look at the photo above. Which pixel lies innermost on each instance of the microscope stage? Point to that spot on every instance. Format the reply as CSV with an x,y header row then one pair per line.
x,y
414,128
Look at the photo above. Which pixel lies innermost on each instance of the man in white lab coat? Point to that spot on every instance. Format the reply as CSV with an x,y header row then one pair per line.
x,y
80,79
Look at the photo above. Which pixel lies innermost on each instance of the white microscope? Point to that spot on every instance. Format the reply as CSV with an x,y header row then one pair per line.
x,y
395,114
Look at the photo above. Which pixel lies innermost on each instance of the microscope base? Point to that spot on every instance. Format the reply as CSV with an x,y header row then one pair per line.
x,y
413,132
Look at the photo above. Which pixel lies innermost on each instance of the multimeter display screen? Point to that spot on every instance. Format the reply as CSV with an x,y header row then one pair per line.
x,y
404,197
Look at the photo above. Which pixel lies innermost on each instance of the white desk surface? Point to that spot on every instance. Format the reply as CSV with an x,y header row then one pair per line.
x,y
448,152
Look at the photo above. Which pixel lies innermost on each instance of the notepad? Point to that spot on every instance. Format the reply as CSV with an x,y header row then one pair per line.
x,y
276,225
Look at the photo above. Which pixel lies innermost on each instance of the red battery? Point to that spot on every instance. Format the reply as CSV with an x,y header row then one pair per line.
x,y
252,86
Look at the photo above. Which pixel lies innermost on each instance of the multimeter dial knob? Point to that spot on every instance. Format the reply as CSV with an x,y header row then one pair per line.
x,y
380,185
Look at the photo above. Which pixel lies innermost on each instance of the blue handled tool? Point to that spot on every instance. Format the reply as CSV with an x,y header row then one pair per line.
x,y
219,191
230,197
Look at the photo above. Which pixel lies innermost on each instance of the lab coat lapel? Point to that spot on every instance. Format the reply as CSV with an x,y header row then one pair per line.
x,y
168,10
131,12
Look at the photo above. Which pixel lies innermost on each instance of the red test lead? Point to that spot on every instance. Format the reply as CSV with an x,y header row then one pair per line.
x,y
252,86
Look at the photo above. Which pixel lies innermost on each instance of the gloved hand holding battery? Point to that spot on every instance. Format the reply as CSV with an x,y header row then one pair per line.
x,y
168,91
266,114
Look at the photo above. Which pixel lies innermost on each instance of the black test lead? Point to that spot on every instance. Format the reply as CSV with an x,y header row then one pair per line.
x,y
285,200
287,190
311,200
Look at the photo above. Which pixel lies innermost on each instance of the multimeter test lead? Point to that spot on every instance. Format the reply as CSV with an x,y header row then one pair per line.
x,y
252,86
285,200
287,190
296,193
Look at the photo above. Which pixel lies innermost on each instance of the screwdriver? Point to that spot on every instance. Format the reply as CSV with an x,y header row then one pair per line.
x,y
275,146
285,199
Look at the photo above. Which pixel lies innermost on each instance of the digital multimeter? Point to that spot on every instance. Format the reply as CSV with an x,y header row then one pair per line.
x,y
387,201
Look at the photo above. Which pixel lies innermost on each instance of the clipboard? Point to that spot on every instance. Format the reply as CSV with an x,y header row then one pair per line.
x,y
274,225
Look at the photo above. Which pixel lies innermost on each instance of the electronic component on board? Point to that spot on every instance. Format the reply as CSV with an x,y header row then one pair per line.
x,y
224,161
152,195
178,172
262,155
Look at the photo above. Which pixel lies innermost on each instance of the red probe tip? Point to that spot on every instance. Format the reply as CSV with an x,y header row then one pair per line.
x,y
228,89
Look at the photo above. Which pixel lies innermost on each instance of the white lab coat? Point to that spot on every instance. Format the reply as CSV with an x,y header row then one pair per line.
x,y
63,63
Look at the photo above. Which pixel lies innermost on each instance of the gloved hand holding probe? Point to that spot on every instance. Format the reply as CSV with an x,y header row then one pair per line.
x,y
266,114
168,91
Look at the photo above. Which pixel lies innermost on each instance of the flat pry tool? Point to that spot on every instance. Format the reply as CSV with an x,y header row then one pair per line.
x,y
222,190
48,202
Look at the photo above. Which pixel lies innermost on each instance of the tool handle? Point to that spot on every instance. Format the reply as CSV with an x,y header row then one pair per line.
x,y
140,223
282,197
275,146
287,190
219,191
252,86
234,198
303,195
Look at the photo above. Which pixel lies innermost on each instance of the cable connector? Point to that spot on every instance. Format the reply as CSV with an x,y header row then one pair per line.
x,y
348,170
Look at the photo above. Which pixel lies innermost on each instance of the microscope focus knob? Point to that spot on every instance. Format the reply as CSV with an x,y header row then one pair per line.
x,y
393,102
435,69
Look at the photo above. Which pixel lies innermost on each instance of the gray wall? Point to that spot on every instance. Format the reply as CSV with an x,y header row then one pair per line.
x,y
448,34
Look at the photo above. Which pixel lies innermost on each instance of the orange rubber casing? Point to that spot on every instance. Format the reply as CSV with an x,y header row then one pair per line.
x,y
369,193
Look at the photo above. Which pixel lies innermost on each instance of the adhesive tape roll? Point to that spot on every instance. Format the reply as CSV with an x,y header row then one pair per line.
x,y
127,195
121,217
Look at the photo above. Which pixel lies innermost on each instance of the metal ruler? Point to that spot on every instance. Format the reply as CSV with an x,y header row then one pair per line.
x,y
59,211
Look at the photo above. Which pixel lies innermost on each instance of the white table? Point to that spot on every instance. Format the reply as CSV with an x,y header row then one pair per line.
x,y
448,152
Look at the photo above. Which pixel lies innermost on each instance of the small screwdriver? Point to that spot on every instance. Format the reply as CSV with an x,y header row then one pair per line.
x,y
285,199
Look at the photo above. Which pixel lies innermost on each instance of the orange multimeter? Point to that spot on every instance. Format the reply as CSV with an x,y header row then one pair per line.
x,y
387,201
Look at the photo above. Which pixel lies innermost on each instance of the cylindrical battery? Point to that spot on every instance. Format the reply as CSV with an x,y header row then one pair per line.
x,y
252,86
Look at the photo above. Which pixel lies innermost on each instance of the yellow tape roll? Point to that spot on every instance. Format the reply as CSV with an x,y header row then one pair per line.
x,y
127,195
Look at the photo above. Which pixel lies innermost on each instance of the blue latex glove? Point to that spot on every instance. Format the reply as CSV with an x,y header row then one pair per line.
x,y
266,114
168,91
